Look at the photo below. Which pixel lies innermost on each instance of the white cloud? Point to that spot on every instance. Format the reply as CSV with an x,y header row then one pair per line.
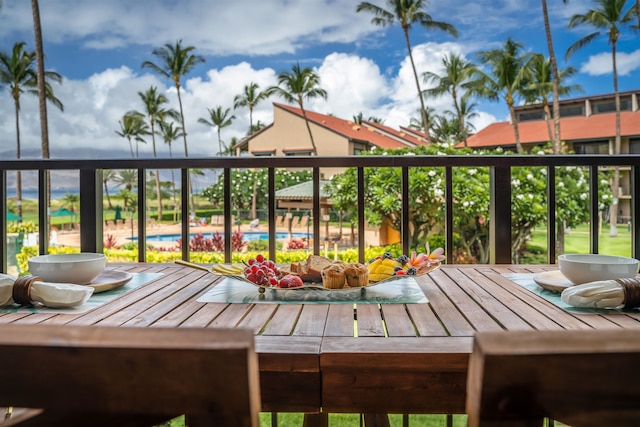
x,y
601,63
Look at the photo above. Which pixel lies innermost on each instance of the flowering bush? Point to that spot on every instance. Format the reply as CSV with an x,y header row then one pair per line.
x,y
297,243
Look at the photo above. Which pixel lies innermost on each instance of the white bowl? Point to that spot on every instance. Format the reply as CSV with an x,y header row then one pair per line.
x,y
584,268
79,268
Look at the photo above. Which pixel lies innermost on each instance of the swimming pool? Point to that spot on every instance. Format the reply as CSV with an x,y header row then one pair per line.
x,y
247,236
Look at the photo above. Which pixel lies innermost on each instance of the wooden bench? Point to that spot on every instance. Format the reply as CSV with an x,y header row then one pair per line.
x,y
103,376
581,378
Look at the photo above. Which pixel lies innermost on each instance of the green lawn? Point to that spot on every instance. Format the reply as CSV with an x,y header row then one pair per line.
x,y
577,241
350,420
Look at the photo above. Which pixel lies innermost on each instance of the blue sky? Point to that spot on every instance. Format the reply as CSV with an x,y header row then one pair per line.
x,y
98,48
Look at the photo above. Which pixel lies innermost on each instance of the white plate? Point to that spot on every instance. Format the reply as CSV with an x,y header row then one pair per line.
x,y
552,281
109,279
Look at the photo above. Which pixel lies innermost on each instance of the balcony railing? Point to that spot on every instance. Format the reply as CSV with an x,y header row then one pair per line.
x,y
500,167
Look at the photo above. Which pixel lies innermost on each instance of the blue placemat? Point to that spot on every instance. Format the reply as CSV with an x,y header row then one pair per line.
x,y
94,301
402,291
526,281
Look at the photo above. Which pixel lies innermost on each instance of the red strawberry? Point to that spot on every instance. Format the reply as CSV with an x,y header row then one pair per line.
x,y
290,281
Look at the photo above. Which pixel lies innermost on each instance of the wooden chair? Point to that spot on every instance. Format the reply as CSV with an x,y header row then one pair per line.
x,y
581,378
104,376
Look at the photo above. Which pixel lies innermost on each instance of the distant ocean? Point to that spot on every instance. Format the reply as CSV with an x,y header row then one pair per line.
x,y
31,194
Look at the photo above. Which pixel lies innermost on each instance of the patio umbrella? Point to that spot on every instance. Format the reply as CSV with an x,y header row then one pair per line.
x,y
12,217
62,212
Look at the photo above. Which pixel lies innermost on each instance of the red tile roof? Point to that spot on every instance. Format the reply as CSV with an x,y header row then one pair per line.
x,y
578,128
353,131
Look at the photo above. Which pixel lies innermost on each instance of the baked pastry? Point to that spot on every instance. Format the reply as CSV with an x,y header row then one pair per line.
x,y
356,275
333,276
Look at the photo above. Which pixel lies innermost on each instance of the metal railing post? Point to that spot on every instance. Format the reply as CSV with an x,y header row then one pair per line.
x,y
91,216
500,214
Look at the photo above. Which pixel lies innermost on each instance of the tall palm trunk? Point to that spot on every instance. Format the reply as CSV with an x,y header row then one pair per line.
x,y
42,95
613,216
155,154
306,121
184,129
461,126
18,173
514,123
547,119
423,111
555,137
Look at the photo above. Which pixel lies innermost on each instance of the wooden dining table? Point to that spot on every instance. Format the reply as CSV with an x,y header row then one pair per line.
x,y
350,358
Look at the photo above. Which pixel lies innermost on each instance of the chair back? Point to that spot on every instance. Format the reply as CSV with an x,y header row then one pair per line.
x,y
120,375
581,378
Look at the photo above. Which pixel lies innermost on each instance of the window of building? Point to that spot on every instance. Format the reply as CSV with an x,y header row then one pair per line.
x,y
531,115
572,111
298,151
610,106
263,153
591,147
634,146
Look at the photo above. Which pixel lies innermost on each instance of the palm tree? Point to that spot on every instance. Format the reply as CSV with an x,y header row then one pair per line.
x,y
16,71
542,85
296,86
406,13
175,62
169,134
466,113
457,77
555,137
608,16
153,102
108,175
218,119
42,89
250,97
133,126
70,201
510,73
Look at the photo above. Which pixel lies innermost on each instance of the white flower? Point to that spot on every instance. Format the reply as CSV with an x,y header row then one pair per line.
x,y
561,184
530,196
515,182
465,204
472,171
432,173
529,176
520,197
605,197
438,192
583,196
604,182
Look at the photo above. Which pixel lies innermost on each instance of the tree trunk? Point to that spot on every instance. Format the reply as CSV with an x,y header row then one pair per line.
x,y
463,131
423,110
42,95
613,217
18,151
547,119
556,137
514,123
184,129
306,121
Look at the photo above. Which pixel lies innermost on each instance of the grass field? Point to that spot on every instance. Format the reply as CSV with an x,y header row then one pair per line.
x,y
577,241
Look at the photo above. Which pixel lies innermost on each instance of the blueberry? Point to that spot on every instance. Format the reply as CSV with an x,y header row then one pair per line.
x,y
403,259
387,255
396,268
412,271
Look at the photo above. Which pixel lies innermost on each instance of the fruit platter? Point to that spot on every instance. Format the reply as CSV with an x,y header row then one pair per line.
x,y
318,272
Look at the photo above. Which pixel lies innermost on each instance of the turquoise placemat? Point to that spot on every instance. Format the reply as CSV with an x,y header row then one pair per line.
x,y
526,281
94,301
402,291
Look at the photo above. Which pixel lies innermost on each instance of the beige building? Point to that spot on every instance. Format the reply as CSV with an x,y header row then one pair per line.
x,y
333,136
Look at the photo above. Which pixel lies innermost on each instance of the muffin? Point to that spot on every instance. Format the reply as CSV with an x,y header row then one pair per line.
x,y
356,274
333,276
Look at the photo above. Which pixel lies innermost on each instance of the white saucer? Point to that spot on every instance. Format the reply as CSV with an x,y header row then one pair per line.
x,y
552,281
108,280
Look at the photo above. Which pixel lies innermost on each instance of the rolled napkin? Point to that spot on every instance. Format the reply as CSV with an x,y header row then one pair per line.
x,y
615,293
32,290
